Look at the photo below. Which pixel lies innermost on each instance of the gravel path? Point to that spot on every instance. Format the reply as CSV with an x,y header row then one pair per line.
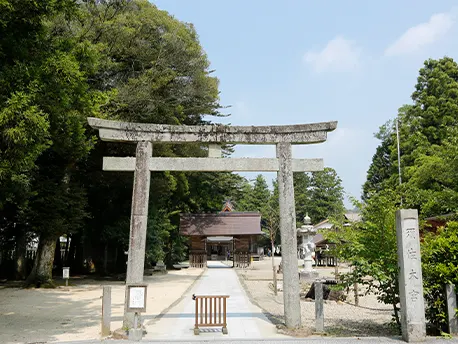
x,y
341,319
320,340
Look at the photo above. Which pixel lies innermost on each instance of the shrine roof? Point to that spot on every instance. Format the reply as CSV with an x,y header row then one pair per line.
x,y
221,224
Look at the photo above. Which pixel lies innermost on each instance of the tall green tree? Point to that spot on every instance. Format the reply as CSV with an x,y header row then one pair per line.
x,y
43,104
318,194
24,126
370,247
424,127
302,197
440,267
59,203
156,72
256,196
428,145
382,167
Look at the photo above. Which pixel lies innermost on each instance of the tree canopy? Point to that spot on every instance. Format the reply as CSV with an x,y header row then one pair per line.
x,y
61,62
428,146
427,135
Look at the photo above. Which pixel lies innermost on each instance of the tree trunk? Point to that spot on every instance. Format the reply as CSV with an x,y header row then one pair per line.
x,y
396,315
65,262
42,267
75,261
355,287
274,270
58,255
21,262
71,253
114,267
336,269
105,260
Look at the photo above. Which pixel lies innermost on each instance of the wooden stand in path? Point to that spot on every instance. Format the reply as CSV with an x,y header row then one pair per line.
x,y
210,312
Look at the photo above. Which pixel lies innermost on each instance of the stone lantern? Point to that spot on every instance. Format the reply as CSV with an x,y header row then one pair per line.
x,y
307,247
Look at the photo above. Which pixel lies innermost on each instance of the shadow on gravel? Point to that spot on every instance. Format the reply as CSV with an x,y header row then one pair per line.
x,y
353,328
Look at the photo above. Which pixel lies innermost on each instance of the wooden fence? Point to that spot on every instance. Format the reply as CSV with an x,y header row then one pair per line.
x,y
29,254
198,260
9,255
242,259
210,312
322,260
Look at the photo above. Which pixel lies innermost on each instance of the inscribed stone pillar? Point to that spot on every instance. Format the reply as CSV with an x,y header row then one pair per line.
x,y
450,294
410,277
292,306
106,311
319,307
138,221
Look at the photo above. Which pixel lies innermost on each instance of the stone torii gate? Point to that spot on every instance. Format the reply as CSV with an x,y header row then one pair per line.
x,y
144,135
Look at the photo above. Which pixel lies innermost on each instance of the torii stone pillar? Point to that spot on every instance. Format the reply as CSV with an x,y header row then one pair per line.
x,y
138,222
291,288
215,135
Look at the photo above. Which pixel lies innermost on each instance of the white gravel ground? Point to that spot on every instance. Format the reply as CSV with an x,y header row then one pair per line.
x,y
74,313
371,318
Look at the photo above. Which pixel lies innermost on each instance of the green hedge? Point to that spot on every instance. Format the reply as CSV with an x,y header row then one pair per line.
x,y
440,267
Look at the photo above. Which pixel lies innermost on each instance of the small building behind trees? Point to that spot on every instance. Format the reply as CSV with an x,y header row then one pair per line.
x,y
225,235
323,247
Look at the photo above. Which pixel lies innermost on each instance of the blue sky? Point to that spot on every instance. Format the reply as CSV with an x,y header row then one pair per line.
x,y
303,61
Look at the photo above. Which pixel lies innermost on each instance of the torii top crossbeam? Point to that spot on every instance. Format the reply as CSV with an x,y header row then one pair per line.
x,y
135,132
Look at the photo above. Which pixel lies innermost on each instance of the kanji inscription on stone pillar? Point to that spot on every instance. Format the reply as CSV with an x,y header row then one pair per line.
x,y
410,276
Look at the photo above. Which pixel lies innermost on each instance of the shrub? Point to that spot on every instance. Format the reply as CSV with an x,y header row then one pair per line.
x,y
440,267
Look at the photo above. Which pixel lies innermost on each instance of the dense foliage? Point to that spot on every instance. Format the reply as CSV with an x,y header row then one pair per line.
x,y
318,194
61,62
428,135
428,146
440,267
64,61
370,247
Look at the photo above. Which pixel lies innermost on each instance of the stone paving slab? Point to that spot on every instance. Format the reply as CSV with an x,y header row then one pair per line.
x,y
310,340
244,320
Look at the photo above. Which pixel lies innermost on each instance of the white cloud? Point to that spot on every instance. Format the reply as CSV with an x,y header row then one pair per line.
x,y
339,54
421,35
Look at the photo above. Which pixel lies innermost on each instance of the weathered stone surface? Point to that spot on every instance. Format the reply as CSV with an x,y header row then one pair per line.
x,y
106,311
308,276
214,151
410,276
450,293
212,164
135,334
160,267
138,223
307,247
98,123
125,131
120,334
324,292
288,237
319,308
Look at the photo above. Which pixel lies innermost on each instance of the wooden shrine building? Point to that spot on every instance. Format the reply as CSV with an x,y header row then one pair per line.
x,y
228,235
